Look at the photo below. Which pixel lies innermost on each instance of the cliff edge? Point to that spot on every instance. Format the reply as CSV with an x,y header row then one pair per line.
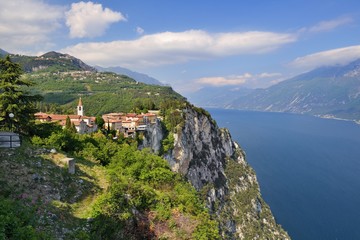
x,y
216,166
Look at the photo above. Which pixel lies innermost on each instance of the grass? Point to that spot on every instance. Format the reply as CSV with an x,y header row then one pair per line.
x,y
40,179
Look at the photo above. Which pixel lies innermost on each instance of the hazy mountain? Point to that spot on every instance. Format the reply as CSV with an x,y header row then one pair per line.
x,y
140,77
3,52
220,97
328,91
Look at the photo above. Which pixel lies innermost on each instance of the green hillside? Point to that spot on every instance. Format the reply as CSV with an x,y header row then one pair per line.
x,y
135,196
101,92
61,79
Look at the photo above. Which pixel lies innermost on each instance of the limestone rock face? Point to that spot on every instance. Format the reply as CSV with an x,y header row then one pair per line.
x,y
215,165
153,136
200,152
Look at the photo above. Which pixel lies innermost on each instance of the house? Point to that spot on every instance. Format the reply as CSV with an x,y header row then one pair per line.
x,y
83,124
128,124
113,124
113,121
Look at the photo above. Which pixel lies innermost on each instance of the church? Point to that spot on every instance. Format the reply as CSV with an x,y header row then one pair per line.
x,y
83,124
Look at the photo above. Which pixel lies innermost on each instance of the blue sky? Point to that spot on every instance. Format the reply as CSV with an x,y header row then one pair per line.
x,y
189,44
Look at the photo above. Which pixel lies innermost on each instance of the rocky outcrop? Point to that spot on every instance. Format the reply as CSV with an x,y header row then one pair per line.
x,y
216,166
153,136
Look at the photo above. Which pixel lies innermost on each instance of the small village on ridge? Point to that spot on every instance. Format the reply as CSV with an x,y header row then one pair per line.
x,y
125,123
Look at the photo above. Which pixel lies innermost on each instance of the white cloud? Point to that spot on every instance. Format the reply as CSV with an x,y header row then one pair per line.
x,y
88,19
247,79
27,23
327,58
139,30
175,47
224,81
330,25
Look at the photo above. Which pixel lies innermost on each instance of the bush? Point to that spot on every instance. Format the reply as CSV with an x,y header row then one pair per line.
x,y
15,221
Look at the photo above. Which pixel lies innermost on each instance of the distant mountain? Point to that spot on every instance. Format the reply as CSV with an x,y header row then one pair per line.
x,y
328,91
140,77
220,97
3,52
51,61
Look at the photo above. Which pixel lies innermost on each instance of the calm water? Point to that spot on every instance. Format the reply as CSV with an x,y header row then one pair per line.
x,y
308,169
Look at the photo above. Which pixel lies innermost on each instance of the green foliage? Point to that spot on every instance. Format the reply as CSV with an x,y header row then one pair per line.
x,y
143,105
99,121
50,107
65,140
173,121
45,129
207,229
168,143
68,123
141,181
13,98
102,92
16,221
141,185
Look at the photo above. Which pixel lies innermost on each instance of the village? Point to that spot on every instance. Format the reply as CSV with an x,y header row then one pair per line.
x,y
126,123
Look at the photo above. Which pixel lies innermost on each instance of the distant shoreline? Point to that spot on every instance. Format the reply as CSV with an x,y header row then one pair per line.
x,y
326,116
337,118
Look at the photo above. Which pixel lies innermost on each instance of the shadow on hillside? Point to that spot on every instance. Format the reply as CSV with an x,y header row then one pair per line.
x,y
62,203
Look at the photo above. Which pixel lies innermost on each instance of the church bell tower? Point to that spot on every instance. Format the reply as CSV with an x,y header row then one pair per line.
x,y
80,108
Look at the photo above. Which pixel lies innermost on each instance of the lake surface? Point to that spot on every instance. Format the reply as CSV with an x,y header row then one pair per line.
x,y
308,169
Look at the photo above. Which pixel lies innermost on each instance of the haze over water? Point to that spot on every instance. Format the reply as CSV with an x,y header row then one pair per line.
x,y
308,169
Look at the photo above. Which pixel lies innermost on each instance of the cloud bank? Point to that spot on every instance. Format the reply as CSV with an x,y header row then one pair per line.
x,y
176,47
327,58
248,79
28,23
90,19
330,25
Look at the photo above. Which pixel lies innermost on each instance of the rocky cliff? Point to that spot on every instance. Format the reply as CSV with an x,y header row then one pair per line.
x,y
216,166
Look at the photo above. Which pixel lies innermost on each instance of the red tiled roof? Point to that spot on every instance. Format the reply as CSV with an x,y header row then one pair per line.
x,y
59,117
131,115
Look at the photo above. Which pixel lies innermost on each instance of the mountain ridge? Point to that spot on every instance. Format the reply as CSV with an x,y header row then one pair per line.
x,y
51,61
3,52
332,91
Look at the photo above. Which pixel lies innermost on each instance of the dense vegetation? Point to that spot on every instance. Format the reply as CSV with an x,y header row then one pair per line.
x,y
143,198
101,92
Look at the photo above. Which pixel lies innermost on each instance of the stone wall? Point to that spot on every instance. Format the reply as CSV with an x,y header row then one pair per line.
x,y
9,140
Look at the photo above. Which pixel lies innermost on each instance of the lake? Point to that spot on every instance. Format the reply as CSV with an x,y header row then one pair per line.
x,y
308,169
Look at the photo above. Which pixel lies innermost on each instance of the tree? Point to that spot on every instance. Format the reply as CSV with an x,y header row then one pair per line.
x,y
68,123
99,121
13,98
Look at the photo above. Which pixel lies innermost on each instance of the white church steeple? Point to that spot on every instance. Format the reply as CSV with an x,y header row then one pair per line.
x,y
80,108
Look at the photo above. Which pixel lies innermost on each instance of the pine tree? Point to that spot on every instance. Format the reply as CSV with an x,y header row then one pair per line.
x,y
68,123
73,128
13,98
